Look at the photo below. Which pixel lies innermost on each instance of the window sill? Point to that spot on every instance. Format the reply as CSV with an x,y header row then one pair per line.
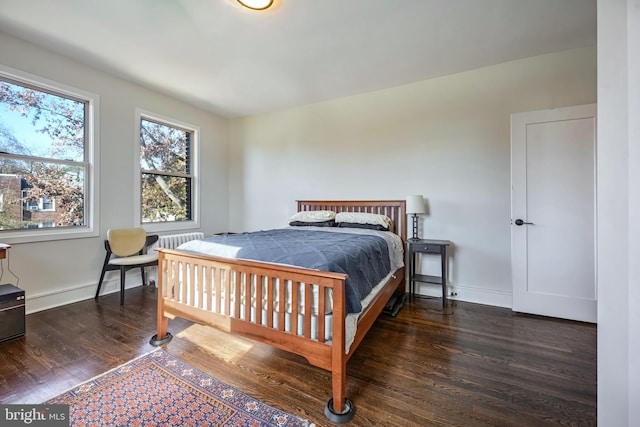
x,y
46,235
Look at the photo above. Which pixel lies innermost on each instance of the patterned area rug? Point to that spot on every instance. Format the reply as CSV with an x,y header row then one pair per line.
x,y
159,390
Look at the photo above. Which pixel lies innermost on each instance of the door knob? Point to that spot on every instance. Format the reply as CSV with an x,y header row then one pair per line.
x,y
521,222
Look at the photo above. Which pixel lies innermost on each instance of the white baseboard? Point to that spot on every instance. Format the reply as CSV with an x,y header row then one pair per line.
x,y
60,297
467,294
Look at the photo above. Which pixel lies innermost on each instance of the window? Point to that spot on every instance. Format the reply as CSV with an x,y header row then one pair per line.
x,y
47,147
167,173
47,204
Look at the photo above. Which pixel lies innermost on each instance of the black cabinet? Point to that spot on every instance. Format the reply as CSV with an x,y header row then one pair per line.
x,y
432,247
12,312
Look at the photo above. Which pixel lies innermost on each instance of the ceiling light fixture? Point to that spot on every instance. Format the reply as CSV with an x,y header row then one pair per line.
x,y
256,4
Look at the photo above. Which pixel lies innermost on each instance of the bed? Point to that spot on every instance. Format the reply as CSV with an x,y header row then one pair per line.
x,y
297,309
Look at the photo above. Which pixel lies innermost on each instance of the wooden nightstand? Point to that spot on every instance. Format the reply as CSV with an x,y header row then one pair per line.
x,y
433,247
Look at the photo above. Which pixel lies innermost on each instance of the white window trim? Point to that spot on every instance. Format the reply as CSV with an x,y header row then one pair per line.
x,y
92,148
195,169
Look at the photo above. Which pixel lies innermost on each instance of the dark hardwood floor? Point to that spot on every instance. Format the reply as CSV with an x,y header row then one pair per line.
x,y
473,366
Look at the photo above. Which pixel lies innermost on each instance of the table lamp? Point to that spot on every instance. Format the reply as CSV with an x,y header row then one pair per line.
x,y
415,206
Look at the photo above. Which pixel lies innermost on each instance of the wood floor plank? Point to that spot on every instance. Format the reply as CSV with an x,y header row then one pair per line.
x,y
471,365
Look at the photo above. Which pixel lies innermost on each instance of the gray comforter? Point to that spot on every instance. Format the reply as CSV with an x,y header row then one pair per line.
x,y
364,258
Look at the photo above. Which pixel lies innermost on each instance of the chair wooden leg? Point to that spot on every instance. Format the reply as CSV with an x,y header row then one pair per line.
x,y
144,282
123,273
99,284
104,270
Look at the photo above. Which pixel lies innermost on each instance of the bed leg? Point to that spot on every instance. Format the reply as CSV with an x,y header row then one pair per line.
x,y
163,336
339,409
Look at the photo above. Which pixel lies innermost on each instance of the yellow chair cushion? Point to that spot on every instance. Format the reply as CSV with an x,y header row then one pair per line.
x,y
125,242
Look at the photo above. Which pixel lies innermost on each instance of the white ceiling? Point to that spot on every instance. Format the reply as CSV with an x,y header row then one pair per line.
x,y
237,62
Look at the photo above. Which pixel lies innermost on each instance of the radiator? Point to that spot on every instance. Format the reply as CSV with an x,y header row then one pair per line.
x,y
170,241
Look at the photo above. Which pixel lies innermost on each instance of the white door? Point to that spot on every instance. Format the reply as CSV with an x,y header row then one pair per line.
x,y
553,212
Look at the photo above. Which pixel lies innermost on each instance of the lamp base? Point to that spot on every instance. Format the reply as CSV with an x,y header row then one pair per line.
x,y
415,228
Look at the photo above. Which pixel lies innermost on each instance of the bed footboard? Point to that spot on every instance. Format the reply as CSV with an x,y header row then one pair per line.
x,y
265,302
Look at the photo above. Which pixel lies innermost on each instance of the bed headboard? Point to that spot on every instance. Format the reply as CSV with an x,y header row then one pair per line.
x,y
394,209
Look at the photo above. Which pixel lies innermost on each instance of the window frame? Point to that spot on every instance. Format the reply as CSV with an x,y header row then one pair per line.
x,y
168,226
91,225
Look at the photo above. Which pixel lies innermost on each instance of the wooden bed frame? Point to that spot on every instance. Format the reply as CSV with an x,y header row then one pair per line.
x,y
216,275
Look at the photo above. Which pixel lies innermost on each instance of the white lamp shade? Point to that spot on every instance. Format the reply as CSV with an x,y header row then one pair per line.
x,y
415,204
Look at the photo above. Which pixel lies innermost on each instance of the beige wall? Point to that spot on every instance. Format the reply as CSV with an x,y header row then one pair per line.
x,y
59,272
445,138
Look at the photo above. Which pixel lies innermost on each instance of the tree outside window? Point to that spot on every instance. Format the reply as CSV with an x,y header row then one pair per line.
x,y
166,171
43,157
